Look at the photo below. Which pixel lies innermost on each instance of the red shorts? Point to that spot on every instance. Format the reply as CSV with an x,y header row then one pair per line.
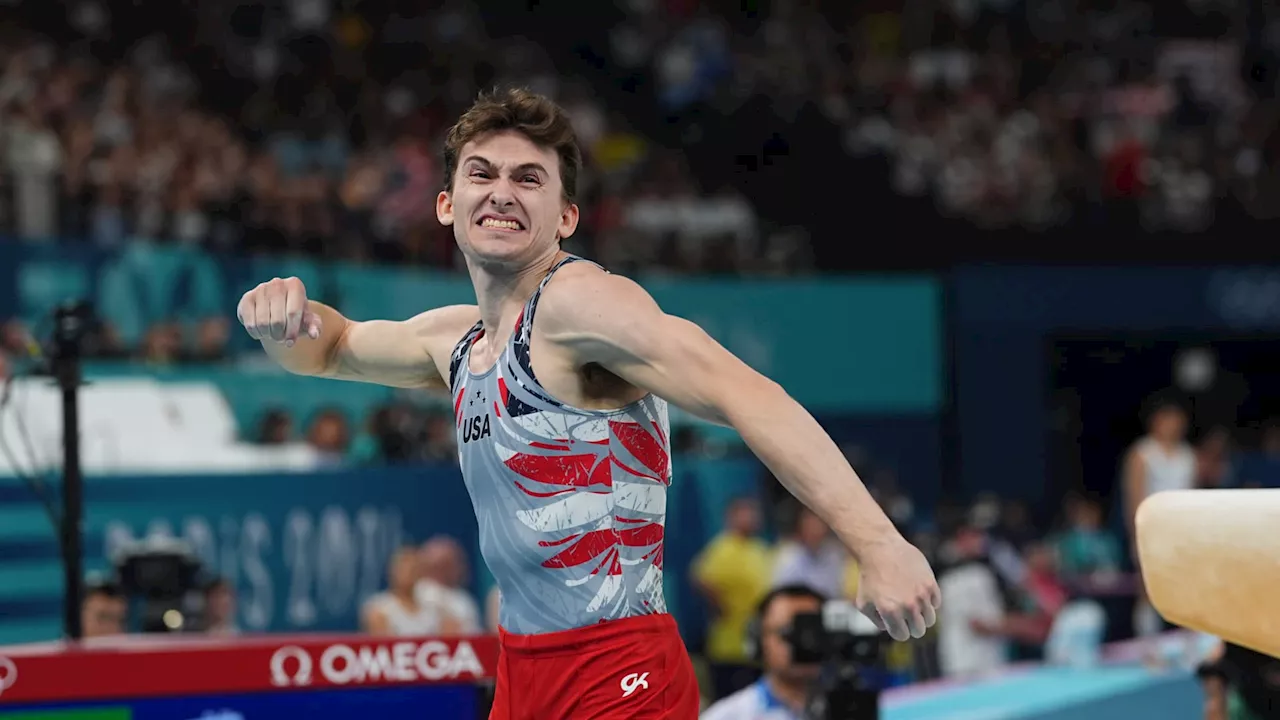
x,y
635,669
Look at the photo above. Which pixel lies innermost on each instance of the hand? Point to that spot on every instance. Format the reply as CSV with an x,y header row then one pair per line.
x,y
897,590
277,310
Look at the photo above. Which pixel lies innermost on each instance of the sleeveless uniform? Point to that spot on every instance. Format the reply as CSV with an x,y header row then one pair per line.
x,y
571,509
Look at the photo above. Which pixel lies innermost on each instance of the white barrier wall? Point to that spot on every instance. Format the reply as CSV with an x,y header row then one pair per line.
x,y
135,425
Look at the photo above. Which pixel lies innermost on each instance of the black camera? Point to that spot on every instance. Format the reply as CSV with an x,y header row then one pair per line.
x,y
162,576
848,646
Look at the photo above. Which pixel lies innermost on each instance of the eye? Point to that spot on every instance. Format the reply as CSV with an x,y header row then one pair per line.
x,y
478,173
530,179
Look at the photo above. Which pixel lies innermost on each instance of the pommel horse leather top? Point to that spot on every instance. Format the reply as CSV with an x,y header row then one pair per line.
x,y
1211,562
171,665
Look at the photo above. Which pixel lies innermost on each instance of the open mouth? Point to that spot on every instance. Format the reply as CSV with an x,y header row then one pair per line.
x,y
493,223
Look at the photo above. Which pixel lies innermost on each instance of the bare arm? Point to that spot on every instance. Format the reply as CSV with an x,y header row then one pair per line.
x,y
591,317
310,338
375,622
612,321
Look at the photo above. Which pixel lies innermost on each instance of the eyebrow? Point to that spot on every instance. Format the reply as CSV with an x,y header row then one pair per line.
x,y
524,167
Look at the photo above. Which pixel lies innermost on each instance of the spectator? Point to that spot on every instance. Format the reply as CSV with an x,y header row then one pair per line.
x,y
1044,596
1161,459
1087,550
1158,461
732,574
34,159
220,608
329,435
275,428
397,611
443,582
786,687
104,611
1215,462
812,556
971,637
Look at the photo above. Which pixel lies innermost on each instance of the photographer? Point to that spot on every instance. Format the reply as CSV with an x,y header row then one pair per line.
x,y
785,687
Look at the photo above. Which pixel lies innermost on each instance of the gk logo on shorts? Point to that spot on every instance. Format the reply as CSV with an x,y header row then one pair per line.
x,y
8,674
633,682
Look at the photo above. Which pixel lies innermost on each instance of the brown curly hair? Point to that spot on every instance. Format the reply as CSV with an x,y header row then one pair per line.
x,y
535,116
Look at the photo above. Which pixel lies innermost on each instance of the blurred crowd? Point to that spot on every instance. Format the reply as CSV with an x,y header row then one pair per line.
x,y
330,149
1032,113
425,594
313,128
1005,583
323,136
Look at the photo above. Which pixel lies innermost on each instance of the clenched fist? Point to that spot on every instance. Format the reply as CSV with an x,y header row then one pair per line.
x,y
277,310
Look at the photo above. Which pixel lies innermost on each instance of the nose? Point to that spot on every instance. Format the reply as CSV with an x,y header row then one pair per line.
x,y
502,197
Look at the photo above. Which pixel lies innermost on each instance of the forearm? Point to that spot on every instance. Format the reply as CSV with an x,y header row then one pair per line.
x,y
307,356
795,448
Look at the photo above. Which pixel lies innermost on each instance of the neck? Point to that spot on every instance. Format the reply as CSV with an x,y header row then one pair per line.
x,y
793,695
501,294
403,594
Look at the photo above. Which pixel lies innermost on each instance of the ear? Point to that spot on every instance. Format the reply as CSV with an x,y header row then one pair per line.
x,y
568,221
444,208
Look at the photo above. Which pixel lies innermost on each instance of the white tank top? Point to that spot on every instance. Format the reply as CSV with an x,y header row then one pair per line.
x,y
1167,471
402,621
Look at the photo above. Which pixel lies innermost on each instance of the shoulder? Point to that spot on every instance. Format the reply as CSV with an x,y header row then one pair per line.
x,y
375,605
740,704
582,291
718,545
441,329
1136,455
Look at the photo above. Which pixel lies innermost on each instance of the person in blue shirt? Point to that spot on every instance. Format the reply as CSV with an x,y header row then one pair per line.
x,y
784,687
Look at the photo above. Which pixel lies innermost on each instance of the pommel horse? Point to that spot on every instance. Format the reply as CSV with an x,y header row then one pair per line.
x,y
1210,561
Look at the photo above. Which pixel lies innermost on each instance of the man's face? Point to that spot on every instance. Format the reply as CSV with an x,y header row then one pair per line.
x,y
1169,424
102,616
507,206
405,570
444,563
810,529
744,517
775,650
222,604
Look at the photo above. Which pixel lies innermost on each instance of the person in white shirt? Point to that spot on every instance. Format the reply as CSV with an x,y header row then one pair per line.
x,y
971,641
1159,461
785,687
443,581
397,611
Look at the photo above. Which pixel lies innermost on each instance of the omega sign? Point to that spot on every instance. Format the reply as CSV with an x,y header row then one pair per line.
x,y
402,662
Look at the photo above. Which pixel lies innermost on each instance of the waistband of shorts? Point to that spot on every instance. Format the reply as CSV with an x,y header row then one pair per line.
x,y
605,632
